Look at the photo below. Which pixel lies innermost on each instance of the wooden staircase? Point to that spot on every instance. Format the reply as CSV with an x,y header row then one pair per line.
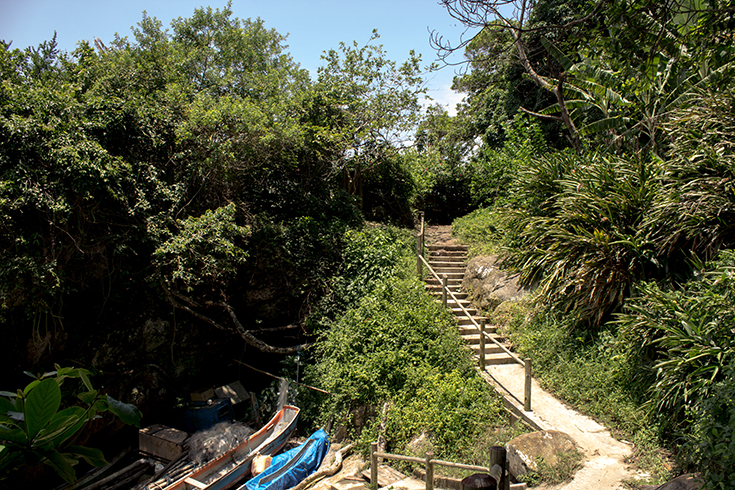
x,y
450,260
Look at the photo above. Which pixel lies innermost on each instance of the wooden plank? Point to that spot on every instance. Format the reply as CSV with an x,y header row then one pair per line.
x,y
195,483
386,476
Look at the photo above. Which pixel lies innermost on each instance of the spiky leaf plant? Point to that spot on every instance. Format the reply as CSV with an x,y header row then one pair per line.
x,y
580,234
697,209
683,338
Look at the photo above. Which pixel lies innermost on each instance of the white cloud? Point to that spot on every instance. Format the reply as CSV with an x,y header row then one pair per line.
x,y
446,97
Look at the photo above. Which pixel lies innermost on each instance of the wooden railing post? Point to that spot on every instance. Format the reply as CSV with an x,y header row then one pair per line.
x,y
498,457
420,247
445,281
527,387
419,267
482,344
374,465
429,471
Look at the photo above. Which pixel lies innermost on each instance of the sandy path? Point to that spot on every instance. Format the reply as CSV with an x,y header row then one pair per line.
x,y
604,465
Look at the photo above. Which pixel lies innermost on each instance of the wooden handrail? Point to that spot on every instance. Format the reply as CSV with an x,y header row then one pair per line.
x,y
497,468
483,334
487,336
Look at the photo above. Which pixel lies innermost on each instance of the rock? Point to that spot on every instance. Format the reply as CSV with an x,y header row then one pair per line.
x,y
489,285
420,445
525,450
683,482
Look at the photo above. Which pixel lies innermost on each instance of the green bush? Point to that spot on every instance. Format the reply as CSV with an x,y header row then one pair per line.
x,y
454,407
370,353
683,339
585,242
484,230
712,441
385,340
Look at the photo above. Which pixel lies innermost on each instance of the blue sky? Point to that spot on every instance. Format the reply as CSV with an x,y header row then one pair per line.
x,y
313,26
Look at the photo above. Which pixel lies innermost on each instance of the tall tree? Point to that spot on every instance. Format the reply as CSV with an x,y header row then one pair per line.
x,y
378,104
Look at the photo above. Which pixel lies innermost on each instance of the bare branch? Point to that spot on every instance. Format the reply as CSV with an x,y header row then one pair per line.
x,y
246,335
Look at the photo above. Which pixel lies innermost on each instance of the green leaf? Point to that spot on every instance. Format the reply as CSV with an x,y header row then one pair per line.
x,y
127,412
88,396
91,455
65,424
85,380
42,404
62,465
13,435
6,405
8,394
30,386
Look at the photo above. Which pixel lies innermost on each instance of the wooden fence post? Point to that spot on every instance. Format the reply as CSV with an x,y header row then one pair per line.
x,y
527,387
429,471
374,464
482,344
445,281
419,267
498,456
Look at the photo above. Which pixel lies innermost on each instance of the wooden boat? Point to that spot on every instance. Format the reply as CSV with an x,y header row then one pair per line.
x,y
290,468
230,468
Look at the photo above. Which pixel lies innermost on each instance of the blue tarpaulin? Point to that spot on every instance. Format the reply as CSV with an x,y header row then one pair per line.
x,y
289,468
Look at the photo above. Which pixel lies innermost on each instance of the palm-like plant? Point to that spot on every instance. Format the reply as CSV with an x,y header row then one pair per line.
x,y
697,209
683,338
585,243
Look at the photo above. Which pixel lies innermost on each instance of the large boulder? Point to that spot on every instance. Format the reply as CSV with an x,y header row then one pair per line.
x,y
490,286
525,450
683,482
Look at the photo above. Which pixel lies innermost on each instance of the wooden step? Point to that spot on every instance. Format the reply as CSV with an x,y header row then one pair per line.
x,y
452,248
436,289
490,348
470,329
448,267
498,359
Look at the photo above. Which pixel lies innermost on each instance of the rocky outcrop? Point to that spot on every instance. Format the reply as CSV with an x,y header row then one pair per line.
x,y
683,482
490,286
525,451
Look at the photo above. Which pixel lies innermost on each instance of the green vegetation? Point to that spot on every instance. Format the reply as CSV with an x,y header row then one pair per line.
x,y
392,345
197,176
626,229
36,431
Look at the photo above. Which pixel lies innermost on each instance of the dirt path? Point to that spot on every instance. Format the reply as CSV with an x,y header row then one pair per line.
x,y
604,467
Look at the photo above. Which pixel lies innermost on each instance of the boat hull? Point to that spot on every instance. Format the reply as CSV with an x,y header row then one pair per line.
x,y
291,467
231,467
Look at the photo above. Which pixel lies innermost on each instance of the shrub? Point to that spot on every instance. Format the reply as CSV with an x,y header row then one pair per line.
x,y
683,338
712,441
485,230
585,243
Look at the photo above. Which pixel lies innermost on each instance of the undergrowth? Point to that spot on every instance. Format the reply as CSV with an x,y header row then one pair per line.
x,y
392,358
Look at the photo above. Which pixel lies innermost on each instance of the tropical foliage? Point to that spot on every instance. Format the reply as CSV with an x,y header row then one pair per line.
x,y
618,231
393,346
35,430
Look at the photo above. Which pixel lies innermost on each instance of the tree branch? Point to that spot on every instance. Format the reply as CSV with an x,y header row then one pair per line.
x,y
246,336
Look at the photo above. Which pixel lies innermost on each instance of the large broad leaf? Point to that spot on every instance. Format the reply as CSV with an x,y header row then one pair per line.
x,y
13,435
41,405
62,426
91,455
127,412
62,465
558,55
6,405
